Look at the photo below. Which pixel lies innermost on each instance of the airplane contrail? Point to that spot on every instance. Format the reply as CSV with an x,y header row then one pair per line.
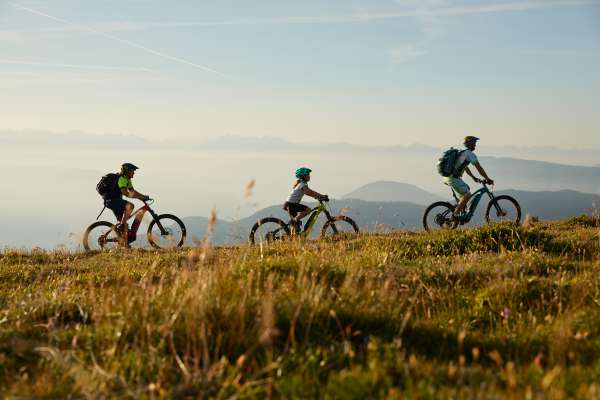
x,y
115,38
521,5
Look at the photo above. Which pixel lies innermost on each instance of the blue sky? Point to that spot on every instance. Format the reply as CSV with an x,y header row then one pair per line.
x,y
377,72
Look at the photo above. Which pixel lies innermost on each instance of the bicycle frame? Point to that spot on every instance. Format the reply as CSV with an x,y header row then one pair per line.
x,y
312,218
136,223
476,198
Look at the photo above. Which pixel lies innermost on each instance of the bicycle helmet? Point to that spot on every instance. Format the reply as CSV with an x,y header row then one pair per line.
x,y
302,171
469,139
128,167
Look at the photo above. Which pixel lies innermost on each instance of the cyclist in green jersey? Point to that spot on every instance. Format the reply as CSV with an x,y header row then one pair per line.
x,y
121,208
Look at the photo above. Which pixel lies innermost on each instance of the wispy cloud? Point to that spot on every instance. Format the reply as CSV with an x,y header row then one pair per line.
x,y
424,9
404,53
75,66
117,39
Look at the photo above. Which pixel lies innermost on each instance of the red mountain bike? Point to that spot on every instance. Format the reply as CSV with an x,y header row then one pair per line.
x,y
165,231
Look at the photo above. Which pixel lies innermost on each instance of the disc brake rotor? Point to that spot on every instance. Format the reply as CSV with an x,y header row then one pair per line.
x,y
440,219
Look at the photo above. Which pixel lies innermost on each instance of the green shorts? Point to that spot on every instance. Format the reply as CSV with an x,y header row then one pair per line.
x,y
459,187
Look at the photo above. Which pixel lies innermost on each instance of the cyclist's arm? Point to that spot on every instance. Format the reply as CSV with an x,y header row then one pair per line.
x,y
134,194
482,172
468,171
309,192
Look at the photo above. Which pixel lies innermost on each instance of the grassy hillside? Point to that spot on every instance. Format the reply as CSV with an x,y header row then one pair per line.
x,y
484,313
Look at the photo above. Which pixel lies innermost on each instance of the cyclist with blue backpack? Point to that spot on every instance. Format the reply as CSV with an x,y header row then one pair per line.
x,y
453,164
112,188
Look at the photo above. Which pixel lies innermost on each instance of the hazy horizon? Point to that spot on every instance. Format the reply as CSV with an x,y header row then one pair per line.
x,y
56,183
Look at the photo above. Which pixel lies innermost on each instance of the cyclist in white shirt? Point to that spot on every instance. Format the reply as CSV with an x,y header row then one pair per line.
x,y
293,206
460,188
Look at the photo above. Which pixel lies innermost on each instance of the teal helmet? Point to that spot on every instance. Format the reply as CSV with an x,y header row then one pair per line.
x,y
302,171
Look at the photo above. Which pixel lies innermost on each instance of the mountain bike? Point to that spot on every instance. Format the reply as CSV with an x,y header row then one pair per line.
x,y
500,209
271,229
165,231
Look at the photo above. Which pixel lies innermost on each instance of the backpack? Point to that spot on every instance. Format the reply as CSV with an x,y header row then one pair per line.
x,y
108,186
446,164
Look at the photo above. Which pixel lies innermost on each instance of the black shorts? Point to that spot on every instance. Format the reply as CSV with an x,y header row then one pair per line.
x,y
117,206
294,208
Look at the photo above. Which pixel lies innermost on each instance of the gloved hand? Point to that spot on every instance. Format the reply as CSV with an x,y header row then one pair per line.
x,y
145,198
490,181
324,198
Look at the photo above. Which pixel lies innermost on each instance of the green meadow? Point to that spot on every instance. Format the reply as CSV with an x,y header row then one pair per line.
x,y
491,312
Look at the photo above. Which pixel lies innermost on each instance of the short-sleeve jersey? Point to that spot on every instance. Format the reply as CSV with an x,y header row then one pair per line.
x,y
297,193
465,158
124,183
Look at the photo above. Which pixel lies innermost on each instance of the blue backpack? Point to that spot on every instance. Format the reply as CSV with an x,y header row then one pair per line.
x,y
446,163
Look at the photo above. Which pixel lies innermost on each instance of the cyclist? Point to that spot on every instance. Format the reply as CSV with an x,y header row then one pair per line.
x,y
459,187
121,208
292,205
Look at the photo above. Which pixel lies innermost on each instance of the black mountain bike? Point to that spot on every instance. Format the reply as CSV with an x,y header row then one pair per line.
x,y
500,209
272,229
165,231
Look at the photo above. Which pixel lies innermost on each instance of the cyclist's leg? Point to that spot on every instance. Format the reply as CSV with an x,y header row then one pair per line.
x,y
303,211
135,225
462,191
127,210
297,211
117,206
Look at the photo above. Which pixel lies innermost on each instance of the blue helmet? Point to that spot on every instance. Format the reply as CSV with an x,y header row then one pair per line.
x,y
302,171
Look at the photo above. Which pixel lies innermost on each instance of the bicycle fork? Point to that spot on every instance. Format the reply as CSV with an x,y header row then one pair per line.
x,y
500,212
162,229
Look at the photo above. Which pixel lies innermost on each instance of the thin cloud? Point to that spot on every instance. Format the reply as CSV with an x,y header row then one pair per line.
x,y
402,54
75,66
117,39
116,26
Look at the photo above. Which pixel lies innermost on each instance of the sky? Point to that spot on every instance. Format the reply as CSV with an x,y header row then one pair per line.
x,y
383,72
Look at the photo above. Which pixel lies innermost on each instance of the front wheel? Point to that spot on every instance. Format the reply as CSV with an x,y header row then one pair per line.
x,y
503,209
438,216
269,230
99,236
171,235
338,227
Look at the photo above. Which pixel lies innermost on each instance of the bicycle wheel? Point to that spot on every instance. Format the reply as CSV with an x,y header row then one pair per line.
x,y
438,216
100,235
173,235
269,230
339,227
503,209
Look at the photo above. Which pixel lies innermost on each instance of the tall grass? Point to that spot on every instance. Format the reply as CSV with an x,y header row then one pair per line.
x,y
490,312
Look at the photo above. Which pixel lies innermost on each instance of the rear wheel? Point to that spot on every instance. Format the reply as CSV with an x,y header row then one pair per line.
x,y
503,209
173,235
100,235
269,230
438,216
339,227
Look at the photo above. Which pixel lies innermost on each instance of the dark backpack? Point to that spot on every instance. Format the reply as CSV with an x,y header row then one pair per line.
x,y
446,164
108,187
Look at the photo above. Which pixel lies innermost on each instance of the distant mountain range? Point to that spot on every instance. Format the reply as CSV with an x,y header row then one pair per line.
x,y
77,139
386,210
392,191
540,175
